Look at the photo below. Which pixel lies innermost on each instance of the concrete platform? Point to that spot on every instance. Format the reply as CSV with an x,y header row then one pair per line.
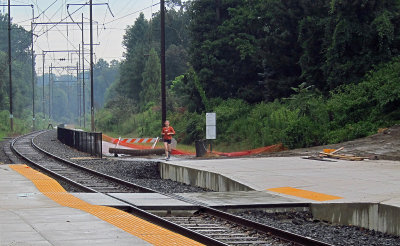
x,y
241,198
361,181
146,201
27,217
363,193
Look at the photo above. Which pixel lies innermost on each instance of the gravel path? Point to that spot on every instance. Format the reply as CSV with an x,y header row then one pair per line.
x,y
302,223
144,173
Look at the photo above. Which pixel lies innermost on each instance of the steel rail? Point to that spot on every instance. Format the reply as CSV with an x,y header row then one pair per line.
x,y
108,177
52,173
135,210
284,235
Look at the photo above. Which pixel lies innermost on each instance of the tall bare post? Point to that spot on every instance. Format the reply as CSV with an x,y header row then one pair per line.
x,y
33,81
91,69
77,92
83,78
79,86
9,67
43,109
163,94
50,68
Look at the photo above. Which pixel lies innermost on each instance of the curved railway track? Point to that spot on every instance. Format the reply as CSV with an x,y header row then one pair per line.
x,y
208,226
81,177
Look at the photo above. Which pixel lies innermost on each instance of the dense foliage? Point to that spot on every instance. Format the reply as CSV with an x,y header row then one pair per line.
x,y
325,43
299,72
21,73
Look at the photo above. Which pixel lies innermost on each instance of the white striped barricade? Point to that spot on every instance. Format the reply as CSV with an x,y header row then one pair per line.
x,y
138,140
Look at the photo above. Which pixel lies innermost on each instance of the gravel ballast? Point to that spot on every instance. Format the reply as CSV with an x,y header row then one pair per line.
x,y
145,173
141,172
3,157
302,223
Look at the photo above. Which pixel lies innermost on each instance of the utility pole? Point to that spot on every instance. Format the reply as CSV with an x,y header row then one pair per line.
x,y
9,67
163,94
78,86
50,71
43,100
33,81
91,54
10,60
91,68
77,92
83,78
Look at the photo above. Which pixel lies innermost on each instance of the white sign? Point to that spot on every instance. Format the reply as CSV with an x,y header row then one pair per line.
x,y
211,119
211,132
211,126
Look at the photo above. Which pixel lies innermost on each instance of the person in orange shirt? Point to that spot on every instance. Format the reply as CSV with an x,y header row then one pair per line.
x,y
167,132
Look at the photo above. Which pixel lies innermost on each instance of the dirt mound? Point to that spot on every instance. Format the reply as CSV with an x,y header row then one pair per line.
x,y
384,145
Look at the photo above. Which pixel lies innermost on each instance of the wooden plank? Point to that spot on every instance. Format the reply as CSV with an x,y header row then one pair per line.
x,y
344,157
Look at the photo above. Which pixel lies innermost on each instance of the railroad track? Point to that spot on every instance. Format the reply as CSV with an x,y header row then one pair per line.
x,y
208,226
81,177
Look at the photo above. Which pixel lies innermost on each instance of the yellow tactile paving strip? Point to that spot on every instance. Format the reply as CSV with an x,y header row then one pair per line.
x,y
305,194
138,227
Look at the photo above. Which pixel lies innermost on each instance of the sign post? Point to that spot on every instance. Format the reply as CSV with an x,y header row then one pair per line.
x,y
211,127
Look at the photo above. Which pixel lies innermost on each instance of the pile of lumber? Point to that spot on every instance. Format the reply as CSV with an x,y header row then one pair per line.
x,y
332,153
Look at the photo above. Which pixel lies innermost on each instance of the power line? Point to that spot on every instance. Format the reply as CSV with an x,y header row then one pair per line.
x,y
132,13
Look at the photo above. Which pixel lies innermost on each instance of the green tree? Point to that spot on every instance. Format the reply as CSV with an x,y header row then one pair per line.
x,y
21,67
342,40
151,83
218,53
136,43
104,75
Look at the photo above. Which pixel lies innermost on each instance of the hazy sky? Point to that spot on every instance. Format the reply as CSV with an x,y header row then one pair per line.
x,y
108,30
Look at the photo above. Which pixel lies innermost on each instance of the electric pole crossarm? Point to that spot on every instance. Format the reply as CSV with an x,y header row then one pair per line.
x,y
59,51
17,5
80,4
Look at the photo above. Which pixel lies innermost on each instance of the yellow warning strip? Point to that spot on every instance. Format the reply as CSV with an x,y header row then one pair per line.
x,y
138,227
305,194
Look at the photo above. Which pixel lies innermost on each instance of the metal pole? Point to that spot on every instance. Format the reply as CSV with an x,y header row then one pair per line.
x,y
51,64
44,111
9,67
77,91
33,82
78,86
52,94
163,94
83,78
91,69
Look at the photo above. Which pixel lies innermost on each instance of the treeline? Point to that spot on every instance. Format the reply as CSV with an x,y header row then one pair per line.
x,y
67,92
257,50
300,72
21,77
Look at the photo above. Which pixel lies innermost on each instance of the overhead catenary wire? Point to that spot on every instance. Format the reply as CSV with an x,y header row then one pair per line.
x,y
138,11
105,28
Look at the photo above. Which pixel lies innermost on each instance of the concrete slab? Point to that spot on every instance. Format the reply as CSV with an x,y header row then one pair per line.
x,y
27,217
368,189
240,198
151,200
352,180
99,199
